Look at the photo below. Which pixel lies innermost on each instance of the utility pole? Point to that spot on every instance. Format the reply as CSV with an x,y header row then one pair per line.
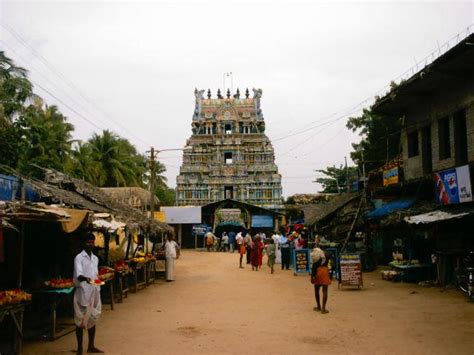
x,y
152,190
347,176
363,169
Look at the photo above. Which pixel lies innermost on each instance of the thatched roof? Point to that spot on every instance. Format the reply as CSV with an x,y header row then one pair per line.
x,y
136,197
61,188
317,212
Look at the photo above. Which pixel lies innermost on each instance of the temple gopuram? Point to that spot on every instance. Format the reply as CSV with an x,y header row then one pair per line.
x,y
230,157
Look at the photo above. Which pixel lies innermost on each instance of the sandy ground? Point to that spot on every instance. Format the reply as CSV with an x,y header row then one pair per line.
x,y
215,307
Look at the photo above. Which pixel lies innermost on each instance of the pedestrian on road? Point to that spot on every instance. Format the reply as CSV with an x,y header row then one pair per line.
x,y
209,240
321,279
284,244
241,246
225,242
276,238
271,254
249,244
232,241
87,303
257,253
171,252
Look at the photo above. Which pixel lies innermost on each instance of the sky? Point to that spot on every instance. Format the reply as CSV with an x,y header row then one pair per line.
x,y
132,67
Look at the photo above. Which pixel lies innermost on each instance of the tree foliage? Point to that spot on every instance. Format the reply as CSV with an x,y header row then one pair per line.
x,y
335,180
33,133
380,138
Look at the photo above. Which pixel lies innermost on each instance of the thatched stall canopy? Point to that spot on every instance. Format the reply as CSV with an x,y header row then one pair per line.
x,y
332,218
63,189
137,197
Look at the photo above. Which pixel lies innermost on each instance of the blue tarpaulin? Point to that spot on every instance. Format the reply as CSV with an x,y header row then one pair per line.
x,y
389,208
10,189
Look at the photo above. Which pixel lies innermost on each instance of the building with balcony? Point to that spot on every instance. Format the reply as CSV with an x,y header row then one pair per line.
x,y
230,155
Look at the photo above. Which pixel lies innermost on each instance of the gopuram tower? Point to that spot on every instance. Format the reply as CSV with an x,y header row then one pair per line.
x,y
230,155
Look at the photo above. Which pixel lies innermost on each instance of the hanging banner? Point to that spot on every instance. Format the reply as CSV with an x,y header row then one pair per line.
x,y
229,216
351,270
262,221
453,185
390,176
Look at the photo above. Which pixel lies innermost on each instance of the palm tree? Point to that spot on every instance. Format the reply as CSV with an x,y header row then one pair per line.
x,y
118,160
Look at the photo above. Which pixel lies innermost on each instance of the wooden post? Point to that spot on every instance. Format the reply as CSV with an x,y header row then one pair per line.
x,y
21,258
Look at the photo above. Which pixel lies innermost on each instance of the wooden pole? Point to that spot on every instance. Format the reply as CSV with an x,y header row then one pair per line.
x,y
21,258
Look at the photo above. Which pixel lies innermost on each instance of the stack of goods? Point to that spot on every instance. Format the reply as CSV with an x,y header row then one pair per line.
x,y
150,257
106,273
122,266
139,258
59,283
390,275
13,296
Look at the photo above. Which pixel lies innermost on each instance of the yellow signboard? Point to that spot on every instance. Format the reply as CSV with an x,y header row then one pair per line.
x,y
160,216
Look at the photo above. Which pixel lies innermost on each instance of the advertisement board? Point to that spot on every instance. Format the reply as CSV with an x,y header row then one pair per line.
x,y
262,221
229,217
390,176
351,270
301,261
453,185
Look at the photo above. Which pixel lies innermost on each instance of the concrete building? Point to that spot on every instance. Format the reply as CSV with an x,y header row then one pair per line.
x,y
230,155
437,108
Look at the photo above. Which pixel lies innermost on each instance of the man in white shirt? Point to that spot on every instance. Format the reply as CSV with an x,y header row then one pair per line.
x,y
171,248
87,304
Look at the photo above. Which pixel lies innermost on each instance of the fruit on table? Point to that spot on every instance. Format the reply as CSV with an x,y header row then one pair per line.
x,y
121,266
59,283
139,260
13,296
106,273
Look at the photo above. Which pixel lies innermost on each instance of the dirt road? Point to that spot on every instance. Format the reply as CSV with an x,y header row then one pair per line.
x,y
215,307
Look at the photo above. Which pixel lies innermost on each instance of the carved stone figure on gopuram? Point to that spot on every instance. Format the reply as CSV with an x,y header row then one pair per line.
x,y
230,155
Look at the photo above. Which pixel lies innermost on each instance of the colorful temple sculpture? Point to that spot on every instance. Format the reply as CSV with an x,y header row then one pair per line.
x,y
230,157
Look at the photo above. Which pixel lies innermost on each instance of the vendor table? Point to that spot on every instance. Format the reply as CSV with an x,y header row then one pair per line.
x,y
55,297
109,286
15,311
121,278
411,272
150,272
138,277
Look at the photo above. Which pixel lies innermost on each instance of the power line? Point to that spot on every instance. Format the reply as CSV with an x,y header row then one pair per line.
x,y
68,82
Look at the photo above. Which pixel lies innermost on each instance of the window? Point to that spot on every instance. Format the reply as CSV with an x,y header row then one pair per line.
x,y
426,150
229,192
444,139
413,149
228,128
460,137
228,157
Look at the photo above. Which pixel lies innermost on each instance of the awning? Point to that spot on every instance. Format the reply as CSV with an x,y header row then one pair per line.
x,y
111,226
434,216
75,220
390,208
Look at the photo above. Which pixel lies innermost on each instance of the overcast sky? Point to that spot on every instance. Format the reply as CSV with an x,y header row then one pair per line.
x,y
132,66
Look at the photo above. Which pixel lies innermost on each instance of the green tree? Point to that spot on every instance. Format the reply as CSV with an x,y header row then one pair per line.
x,y
119,162
380,138
46,138
335,179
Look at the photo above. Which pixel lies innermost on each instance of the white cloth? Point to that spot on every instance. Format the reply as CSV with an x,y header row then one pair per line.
x,y
87,316
87,266
87,304
170,249
276,239
169,268
239,239
316,255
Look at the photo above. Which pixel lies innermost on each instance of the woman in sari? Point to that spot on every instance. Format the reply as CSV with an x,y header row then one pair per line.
x,y
257,253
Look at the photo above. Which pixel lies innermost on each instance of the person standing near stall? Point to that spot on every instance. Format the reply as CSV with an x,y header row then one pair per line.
x,y
284,244
171,249
87,303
